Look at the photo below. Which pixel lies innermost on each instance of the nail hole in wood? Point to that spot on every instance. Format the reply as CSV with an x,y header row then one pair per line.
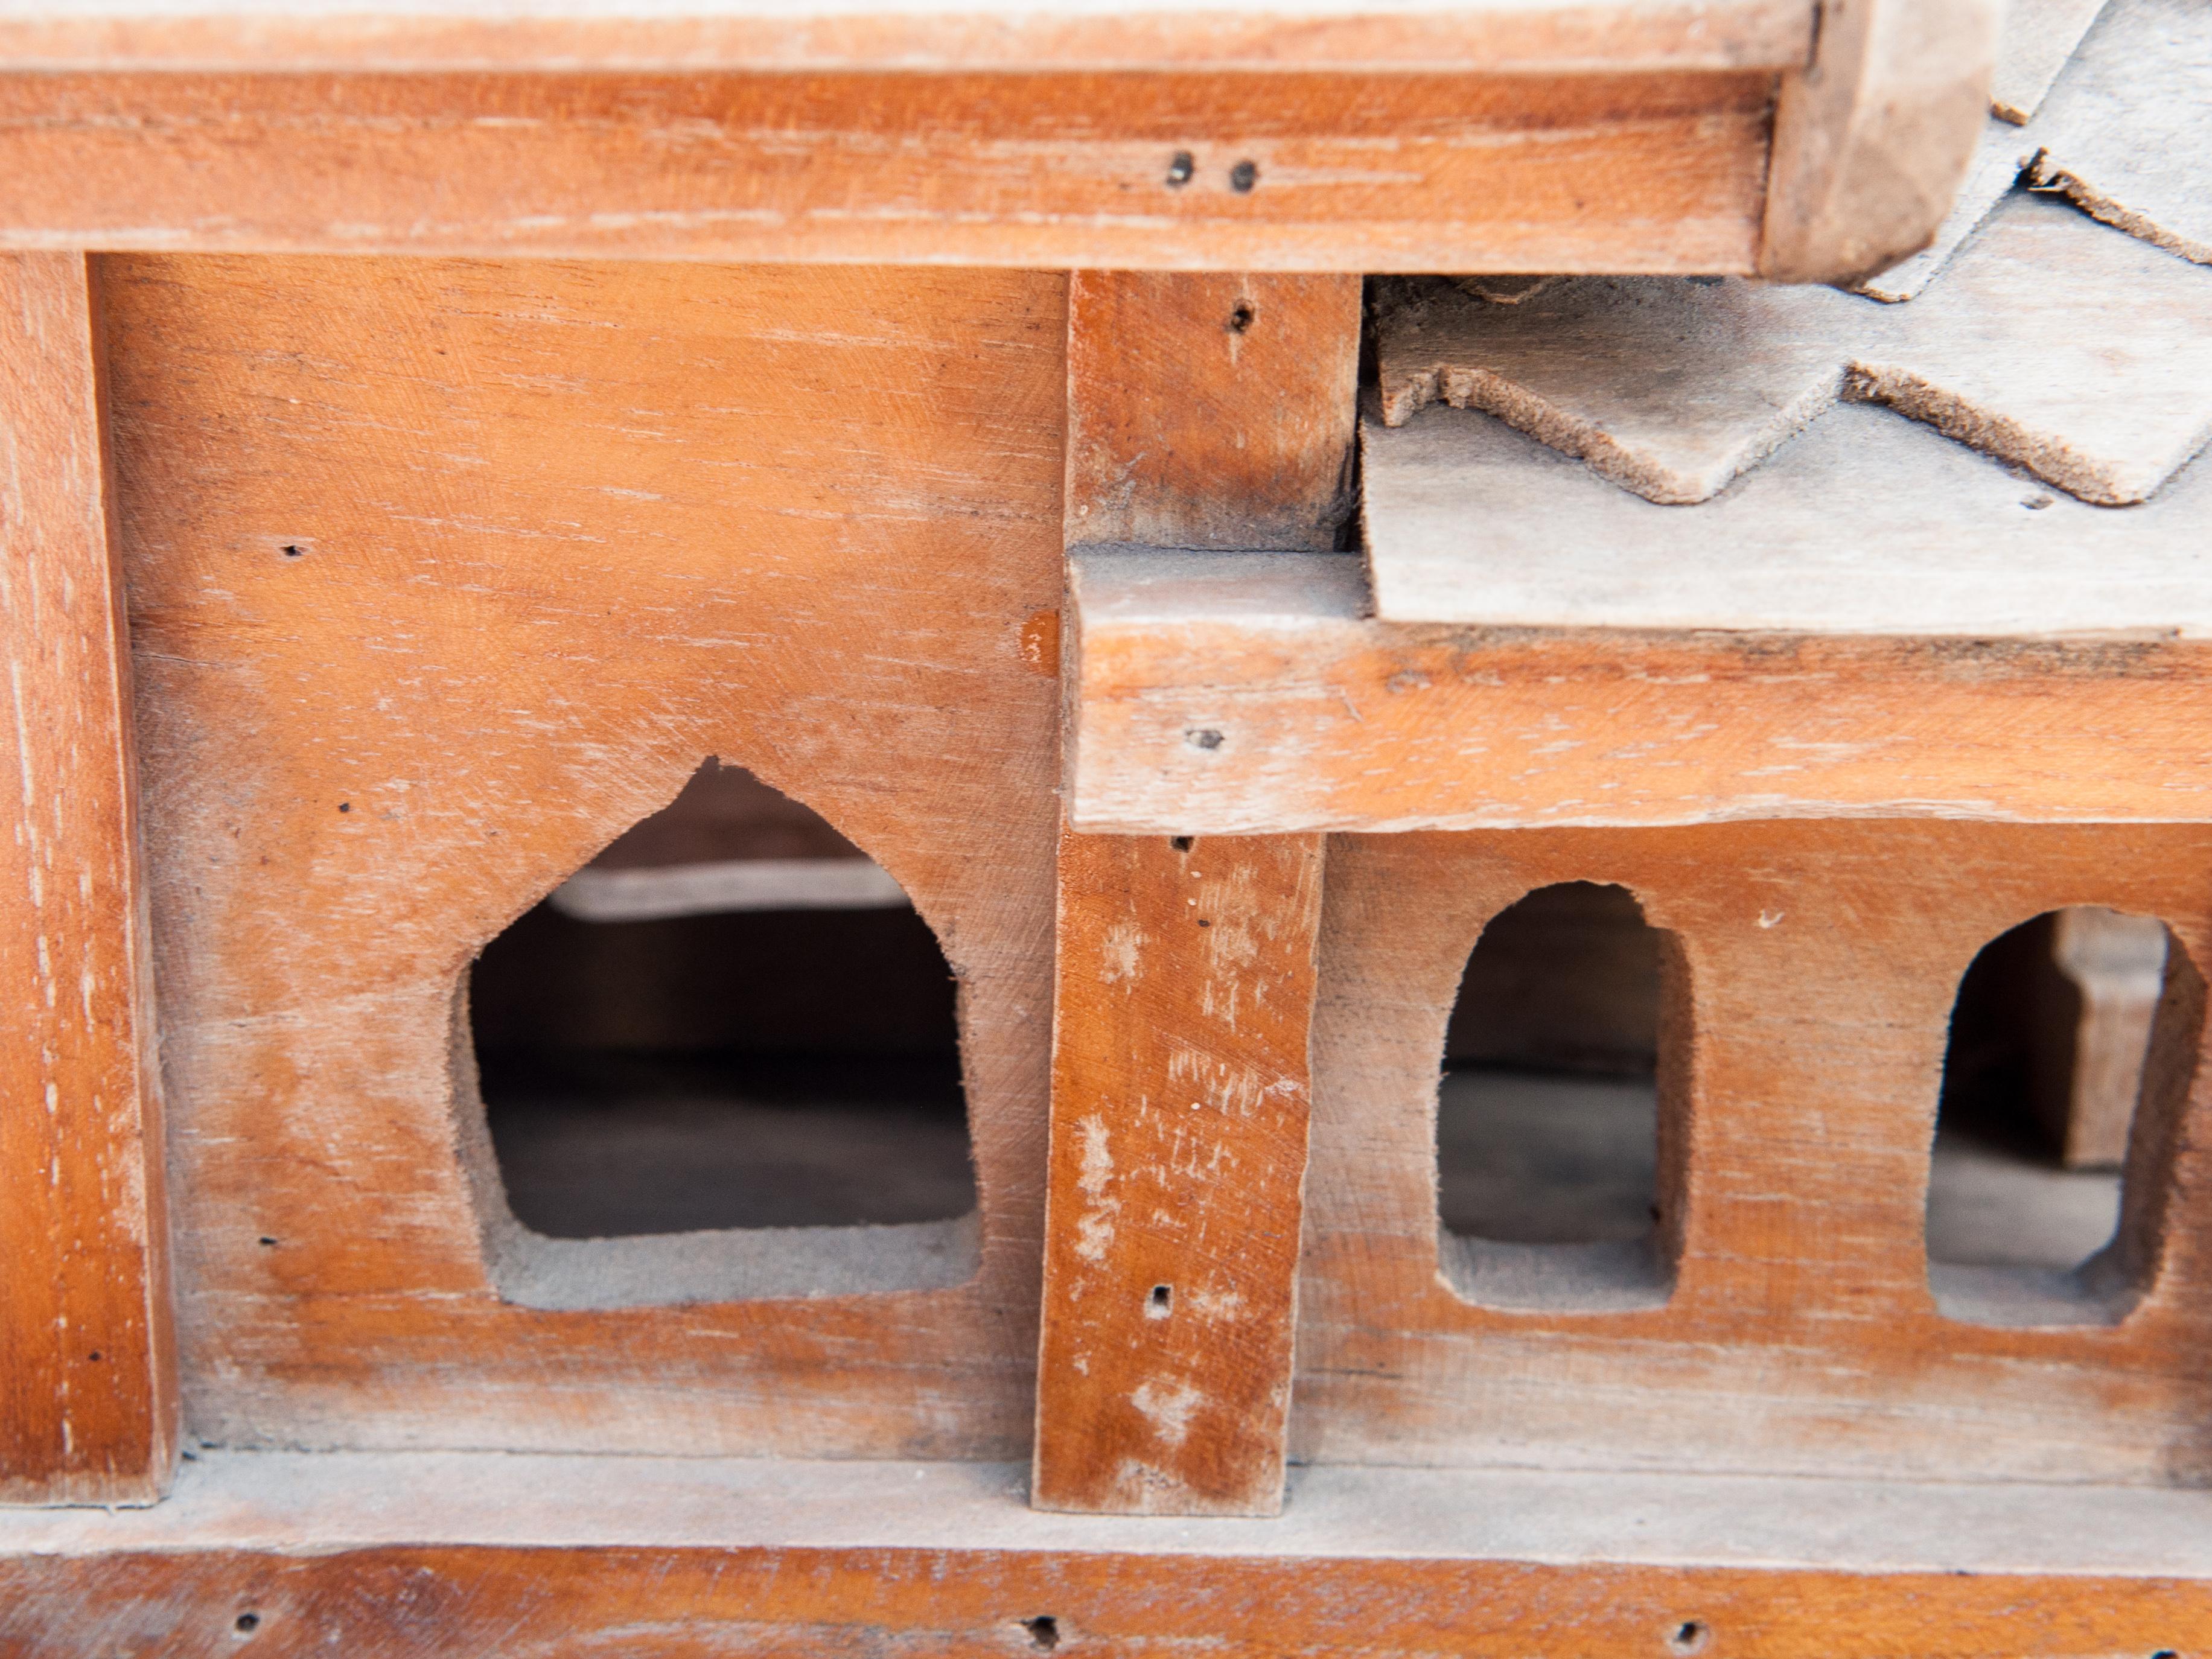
x,y
1044,1632
1181,843
345,806
268,1242
1244,176
2166,1653
1181,169
247,1622
1241,319
1689,1637
95,1356
1203,739
294,550
1161,1303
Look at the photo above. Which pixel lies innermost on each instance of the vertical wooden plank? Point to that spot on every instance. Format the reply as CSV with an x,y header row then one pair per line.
x,y
1213,411
1184,995
88,1384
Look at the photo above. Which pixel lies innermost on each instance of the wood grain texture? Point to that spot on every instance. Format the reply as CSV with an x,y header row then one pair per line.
x,y
1519,36
1819,962
1372,1561
1179,1109
1052,171
1211,412
1329,719
1873,138
87,1364
444,574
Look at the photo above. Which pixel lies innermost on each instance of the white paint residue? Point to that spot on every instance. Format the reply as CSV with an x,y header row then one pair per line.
x,y
1220,1306
1094,1230
1118,954
1168,1410
1770,918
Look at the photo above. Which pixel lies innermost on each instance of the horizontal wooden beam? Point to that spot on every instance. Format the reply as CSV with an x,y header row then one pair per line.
x,y
315,36
465,1554
1310,170
1250,693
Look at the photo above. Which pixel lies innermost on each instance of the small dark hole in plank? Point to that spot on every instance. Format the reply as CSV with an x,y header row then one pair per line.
x,y
248,1622
95,1355
1181,169
1163,1298
345,806
1044,1631
1689,1637
268,1242
1240,319
1181,843
1244,176
1203,739
293,550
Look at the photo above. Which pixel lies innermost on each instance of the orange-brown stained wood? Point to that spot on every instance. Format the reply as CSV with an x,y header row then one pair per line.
x,y
88,1379
1185,988
443,576
1819,965
1046,171
1208,411
398,1601
1327,719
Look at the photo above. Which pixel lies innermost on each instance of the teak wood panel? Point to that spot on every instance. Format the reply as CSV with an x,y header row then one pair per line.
x,y
1653,172
401,1600
1821,963
1250,693
1208,411
88,1379
1179,1107
442,575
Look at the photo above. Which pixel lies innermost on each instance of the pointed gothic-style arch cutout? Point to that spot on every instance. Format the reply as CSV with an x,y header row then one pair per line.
x,y
1554,1166
2071,1047
721,1061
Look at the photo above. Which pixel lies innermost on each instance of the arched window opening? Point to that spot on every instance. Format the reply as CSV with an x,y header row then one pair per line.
x,y
2071,1044
1548,1141
731,1021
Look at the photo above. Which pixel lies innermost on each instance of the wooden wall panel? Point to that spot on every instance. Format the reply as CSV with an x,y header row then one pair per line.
x,y
1178,1160
1048,171
441,575
1213,411
1821,961
87,1380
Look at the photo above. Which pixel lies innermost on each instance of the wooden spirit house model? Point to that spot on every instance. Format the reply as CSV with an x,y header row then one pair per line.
x,y
765,754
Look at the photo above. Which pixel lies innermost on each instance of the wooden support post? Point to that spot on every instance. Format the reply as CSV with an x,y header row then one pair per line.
x,y
1185,992
1213,411
1217,412
88,1381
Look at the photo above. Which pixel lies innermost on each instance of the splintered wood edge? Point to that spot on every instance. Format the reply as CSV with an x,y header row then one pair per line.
x,y
1504,36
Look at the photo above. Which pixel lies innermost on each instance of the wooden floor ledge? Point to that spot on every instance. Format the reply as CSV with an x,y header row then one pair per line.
x,y
403,1553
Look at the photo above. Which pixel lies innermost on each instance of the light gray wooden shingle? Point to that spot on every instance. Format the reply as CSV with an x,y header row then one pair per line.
x,y
2127,132
1869,523
2050,342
